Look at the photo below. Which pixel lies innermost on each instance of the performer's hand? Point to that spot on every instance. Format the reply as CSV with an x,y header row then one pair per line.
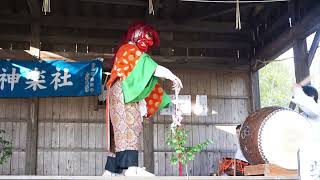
x,y
177,84
163,72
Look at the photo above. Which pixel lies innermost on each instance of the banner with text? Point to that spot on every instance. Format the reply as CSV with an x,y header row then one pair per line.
x,y
49,78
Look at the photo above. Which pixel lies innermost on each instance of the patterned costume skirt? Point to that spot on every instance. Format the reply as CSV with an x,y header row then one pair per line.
x,y
126,120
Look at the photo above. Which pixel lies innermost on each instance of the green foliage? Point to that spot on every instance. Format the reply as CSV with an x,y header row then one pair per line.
x,y
182,153
276,81
5,148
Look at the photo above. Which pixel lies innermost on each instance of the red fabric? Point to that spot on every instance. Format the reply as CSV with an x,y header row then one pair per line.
x,y
154,100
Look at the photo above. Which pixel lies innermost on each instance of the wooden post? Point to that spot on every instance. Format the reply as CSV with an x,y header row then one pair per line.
x,y
32,137
148,153
300,59
301,64
35,40
32,126
300,50
255,91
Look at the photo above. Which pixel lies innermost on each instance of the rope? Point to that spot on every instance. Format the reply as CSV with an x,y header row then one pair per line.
x,y
151,9
46,6
208,1
238,20
265,62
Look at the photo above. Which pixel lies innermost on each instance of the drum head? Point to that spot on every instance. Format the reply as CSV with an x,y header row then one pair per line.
x,y
280,136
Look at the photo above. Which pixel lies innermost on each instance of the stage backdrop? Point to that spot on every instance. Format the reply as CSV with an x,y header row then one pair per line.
x,y
49,78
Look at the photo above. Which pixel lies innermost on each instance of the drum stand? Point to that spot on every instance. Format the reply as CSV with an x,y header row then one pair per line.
x,y
232,167
268,170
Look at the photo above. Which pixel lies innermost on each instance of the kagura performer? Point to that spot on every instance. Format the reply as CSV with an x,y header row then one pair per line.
x,y
134,93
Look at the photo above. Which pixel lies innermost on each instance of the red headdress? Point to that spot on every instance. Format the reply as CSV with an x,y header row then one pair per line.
x,y
137,31
140,29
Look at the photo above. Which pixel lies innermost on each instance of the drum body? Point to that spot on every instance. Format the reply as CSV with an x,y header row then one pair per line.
x,y
273,135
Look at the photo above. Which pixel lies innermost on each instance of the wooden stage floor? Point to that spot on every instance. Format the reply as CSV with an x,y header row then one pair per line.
x,y
150,178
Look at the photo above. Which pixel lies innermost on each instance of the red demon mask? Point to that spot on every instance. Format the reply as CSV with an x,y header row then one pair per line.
x,y
143,35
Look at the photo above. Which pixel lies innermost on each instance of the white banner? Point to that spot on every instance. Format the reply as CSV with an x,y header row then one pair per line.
x,y
201,107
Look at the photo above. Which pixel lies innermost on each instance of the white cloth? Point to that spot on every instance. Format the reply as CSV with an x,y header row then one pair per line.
x,y
143,108
307,105
311,110
309,150
239,154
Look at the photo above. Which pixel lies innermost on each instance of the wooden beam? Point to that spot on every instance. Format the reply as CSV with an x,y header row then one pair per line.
x,y
15,54
313,48
191,62
113,42
308,24
206,44
123,24
74,56
212,14
73,7
201,60
121,2
34,7
272,30
208,66
15,19
32,137
148,147
217,27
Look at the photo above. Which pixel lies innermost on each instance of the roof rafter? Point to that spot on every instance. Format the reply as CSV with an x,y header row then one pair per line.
x,y
123,23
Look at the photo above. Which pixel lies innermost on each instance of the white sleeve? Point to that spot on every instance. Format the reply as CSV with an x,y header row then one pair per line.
x,y
143,108
163,72
306,103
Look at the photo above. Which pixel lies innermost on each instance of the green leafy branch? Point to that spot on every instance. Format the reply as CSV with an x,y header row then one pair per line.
x,y
5,148
183,154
